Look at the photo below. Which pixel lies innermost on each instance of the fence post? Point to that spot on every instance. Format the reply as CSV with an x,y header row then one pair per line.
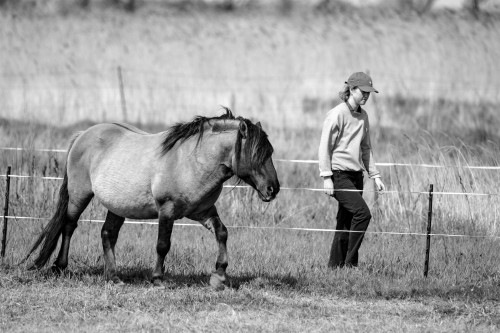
x,y
122,94
429,223
5,211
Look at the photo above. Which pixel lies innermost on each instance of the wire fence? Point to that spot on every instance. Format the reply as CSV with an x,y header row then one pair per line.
x,y
303,188
14,217
293,189
301,161
471,167
428,234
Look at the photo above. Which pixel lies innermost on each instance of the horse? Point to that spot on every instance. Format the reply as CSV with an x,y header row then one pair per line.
x,y
169,175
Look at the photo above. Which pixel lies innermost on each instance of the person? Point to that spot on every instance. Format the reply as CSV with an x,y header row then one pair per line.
x,y
344,152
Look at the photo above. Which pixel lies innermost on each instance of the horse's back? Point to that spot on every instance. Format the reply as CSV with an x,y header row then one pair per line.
x,y
117,162
130,128
100,140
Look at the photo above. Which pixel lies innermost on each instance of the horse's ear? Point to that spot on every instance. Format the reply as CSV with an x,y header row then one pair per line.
x,y
244,129
259,125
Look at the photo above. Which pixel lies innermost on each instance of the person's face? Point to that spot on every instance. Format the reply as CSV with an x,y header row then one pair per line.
x,y
360,96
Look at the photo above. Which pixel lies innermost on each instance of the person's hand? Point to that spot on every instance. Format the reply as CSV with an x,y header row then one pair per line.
x,y
328,186
379,185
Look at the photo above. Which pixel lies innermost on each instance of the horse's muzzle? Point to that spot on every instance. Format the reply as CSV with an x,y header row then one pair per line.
x,y
270,193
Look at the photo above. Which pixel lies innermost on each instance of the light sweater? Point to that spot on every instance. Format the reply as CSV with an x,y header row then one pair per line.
x,y
345,142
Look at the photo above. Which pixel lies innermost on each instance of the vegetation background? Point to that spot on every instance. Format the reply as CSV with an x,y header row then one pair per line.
x,y
281,63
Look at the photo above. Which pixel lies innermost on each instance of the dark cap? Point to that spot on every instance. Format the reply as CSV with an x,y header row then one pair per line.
x,y
362,81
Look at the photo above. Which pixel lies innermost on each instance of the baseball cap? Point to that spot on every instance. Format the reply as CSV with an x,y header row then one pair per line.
x,y
362,81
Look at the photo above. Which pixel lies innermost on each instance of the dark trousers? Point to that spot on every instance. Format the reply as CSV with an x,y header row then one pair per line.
x,y
353,215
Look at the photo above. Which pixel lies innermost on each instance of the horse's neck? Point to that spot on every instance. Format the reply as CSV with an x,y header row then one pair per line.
x,y
212,155
224,131
221,144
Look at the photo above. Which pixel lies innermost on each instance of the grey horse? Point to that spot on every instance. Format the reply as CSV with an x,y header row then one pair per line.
x,y
169,175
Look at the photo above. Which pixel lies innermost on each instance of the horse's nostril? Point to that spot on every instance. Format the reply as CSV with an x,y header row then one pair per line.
x,y
270,189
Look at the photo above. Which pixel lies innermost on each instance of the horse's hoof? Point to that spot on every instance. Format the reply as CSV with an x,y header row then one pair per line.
x,y
117,282
218,281
56,270
158,283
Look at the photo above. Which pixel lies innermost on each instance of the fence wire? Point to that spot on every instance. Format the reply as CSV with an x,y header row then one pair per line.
x,y
290,189
272,228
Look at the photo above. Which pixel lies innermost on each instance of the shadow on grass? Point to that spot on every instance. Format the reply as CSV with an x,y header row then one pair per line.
x,y
341,283
142,276
139,275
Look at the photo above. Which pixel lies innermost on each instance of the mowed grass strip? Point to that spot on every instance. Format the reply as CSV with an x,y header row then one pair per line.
x,y
41,302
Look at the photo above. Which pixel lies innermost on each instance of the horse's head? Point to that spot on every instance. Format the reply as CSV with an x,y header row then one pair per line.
x,y
252,161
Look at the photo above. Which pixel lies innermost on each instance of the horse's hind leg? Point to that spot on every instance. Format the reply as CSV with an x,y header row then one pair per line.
x,y
75,209
109,235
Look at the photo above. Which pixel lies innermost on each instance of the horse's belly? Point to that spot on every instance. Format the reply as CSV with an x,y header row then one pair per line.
x,y
126,199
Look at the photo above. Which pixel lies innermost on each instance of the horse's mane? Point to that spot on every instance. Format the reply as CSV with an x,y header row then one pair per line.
x,y
183,131
257,145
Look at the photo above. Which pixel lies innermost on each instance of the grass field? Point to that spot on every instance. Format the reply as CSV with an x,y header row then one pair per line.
x,y
438,105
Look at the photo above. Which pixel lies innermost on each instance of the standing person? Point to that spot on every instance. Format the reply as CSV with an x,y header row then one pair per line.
x,y
344,153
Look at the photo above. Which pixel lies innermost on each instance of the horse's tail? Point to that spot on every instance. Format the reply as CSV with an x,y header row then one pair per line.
x,y
52,231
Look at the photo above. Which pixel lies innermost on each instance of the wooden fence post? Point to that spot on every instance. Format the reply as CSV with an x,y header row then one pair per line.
x,y
429,223
122,95
5,212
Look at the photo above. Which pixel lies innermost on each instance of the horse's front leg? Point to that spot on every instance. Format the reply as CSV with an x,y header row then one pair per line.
x,y
213,223
165,226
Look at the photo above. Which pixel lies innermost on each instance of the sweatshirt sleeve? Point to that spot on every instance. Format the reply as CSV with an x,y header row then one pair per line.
x,y
328,136
367,155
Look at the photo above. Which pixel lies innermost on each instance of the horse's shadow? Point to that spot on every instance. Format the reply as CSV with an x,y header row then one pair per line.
x,y
141,276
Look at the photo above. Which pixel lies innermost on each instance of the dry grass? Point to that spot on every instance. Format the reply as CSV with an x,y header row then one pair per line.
x,y
280,276
84,306
180,64
62,70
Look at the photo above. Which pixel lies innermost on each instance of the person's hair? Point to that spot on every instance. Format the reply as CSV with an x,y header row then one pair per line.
x,y
345,92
